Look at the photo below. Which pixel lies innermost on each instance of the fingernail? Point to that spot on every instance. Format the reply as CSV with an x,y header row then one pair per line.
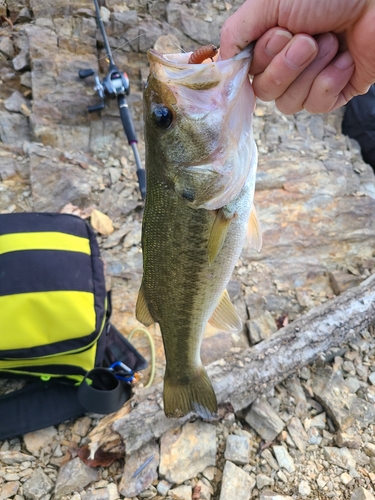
x,y
326,43
300,51
277,42
344,61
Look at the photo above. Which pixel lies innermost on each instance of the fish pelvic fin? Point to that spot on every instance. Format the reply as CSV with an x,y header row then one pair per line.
x,y
254,231
218,234
196,395
225,316
142,313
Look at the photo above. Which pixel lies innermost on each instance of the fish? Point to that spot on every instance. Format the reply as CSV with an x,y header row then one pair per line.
x,y
201,161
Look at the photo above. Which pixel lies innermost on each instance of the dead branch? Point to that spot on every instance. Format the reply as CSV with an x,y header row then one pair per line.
x,y
241,378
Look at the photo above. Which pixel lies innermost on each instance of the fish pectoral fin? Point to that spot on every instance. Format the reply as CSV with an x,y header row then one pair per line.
x,y
254,231
141,310
218,234
225,316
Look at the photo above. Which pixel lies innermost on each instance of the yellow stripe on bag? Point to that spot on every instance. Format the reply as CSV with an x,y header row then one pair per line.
x,y
43,241
42,318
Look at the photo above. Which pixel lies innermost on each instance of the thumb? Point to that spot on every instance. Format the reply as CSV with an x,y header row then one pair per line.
x,y
247,24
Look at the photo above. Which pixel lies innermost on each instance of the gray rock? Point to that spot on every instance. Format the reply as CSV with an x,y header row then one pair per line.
x,y
37,486
362,494
73,476
264,420
236,483
181,492
6,47
353,384
263,480
298,433
340,456
163,487
331,391
348,440
21,61
9,489
185,453
130,486
267,455
295,389
283,458
10,457
261,327
304,489
8,168
271,495
14,128
319,421
35,441
15,102
26,79
100,494
237,449
24,16
372,378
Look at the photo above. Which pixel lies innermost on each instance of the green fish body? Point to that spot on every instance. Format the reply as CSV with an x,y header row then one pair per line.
x,y
196,217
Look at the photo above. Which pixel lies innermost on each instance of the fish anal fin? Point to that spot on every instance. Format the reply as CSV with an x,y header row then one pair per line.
x,y
194,395
225,316
218,234
141,310
254,231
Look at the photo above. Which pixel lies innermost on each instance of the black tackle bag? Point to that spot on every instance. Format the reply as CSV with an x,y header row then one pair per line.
x,y
54,325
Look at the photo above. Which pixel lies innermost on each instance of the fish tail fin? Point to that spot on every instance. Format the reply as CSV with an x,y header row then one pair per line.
x,y
196,395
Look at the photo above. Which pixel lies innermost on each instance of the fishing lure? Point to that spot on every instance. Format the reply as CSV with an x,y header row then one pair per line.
x,y
202,53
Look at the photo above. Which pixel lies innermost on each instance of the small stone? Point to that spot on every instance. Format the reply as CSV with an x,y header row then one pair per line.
x,y
15,102
264,420
346,440
73,476
353,384
369,449
35,441
163,487
319,421
284,459
264,480
237,449
9,489
348,366
345,478
26,79
320,482
206,490
21,61
81,426
304,489
6,47
14,457
372,378
271,495
210,472
305,373
181,492
282,476
340,456
236,483
131,486
298,433
99,494
362,494
267,455
261,327
37,486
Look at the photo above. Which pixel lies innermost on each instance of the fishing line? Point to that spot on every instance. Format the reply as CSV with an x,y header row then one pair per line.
x,y
121,46
152,348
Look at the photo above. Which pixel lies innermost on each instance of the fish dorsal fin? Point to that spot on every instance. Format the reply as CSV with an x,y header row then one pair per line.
x,y
218,234
141,310
254,231
225,316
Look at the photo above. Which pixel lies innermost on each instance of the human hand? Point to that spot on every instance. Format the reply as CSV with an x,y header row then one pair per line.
x,y
299,70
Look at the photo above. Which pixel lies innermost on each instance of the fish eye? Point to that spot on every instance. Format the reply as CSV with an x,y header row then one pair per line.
x,y
163,116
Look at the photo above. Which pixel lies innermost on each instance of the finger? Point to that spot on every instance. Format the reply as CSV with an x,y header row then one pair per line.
x,y
294,97
285,67
326,92
267,47
248,23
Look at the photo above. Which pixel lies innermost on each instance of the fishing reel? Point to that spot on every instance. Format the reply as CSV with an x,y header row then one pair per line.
x,y
114,84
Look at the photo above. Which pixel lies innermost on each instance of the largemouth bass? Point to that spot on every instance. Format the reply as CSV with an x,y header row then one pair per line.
x,y
201,163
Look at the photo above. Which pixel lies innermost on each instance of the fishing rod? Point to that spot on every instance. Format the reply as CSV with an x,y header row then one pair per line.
x,y
116,84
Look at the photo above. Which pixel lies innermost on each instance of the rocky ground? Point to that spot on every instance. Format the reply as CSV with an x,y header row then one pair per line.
x,y
310,437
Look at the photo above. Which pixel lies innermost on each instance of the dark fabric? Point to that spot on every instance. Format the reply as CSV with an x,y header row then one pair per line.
x,y
45,271
35,222
38,405
359,123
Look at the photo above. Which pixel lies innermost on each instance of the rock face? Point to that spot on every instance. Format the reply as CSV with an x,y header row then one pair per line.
x,y
187,451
